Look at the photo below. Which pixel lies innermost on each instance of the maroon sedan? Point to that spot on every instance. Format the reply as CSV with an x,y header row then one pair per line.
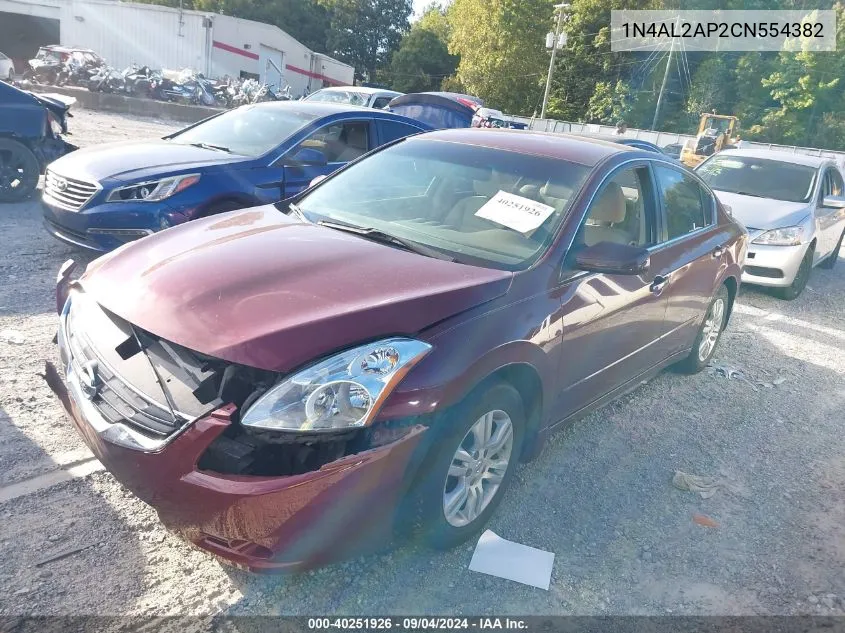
x,y
289,384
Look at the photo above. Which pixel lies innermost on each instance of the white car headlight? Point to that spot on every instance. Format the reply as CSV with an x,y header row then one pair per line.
x,y
154,190
789,236
341,392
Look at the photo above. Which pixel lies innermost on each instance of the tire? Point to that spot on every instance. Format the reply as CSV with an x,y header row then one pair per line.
x,y
830,261
11,75
802,276
19,171
502,407
709,333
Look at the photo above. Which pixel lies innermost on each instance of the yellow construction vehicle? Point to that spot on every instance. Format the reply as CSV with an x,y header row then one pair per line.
x,y
715,132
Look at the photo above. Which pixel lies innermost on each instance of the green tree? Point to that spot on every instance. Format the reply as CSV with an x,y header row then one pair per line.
x,y
501,49
422,61
610,103
364,33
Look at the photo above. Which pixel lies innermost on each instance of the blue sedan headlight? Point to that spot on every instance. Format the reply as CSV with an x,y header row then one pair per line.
x,y
154,190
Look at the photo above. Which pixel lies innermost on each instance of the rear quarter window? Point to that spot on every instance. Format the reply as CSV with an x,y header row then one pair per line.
x,y
393,130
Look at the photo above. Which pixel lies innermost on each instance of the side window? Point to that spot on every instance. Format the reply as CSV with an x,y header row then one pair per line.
x,y
832,184
621,212
688,206
340,142
381,102
392,130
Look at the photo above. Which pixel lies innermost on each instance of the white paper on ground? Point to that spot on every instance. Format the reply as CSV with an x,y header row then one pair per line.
x,y
496,556
515,212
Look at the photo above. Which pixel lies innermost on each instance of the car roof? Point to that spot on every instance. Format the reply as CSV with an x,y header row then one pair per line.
x,y
362,89
321,109
578,149
784,157
621,140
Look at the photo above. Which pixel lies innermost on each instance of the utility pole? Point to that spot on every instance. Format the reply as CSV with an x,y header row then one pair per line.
x,y
665,78
559,8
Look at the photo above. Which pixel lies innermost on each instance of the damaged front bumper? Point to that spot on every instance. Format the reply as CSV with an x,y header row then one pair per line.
x,y
259,523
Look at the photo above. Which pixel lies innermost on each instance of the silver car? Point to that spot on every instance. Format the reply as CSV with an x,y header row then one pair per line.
x,y
793,207
355,95
7,68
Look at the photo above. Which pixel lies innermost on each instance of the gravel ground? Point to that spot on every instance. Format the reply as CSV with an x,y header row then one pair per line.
x,y
599,497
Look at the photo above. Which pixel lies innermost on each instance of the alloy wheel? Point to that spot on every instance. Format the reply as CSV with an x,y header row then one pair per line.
x,y
478,468
712,328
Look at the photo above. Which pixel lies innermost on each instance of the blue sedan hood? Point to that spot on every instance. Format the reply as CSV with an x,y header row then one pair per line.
x,y
133,159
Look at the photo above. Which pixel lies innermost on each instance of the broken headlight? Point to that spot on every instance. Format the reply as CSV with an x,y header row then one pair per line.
x,y
341,392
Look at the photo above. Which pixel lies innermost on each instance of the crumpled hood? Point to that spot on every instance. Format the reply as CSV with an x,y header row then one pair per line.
x,y
132,159
763,213
258,288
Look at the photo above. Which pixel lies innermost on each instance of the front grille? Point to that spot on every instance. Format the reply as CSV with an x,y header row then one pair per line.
x,y
116,400
68,193
761,271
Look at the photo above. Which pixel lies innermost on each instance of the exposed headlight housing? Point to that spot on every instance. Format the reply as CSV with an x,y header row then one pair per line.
x,y
154,190
789,236
341,392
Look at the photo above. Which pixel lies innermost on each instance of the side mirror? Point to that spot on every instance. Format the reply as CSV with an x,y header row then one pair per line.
x,y
317,180
834,202
307,156
612,258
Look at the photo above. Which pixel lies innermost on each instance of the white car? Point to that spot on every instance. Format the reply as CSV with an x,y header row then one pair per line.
x,y
793,207
355,95
7,68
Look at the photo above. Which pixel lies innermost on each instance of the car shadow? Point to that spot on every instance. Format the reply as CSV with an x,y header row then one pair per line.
x,y
58,548
626,540
30,261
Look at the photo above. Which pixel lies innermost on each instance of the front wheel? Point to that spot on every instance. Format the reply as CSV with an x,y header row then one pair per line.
x,y
19,171
474,457
802,276
708,335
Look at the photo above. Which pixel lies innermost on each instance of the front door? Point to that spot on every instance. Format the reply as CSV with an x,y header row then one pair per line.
x,y
612,324
338,142
829,220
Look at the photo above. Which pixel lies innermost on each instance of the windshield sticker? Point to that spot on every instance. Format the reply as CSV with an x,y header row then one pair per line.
x,y
515,212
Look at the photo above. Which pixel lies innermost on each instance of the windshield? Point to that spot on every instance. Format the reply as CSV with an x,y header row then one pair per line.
x,y
477,205
349,97
759,177
249,130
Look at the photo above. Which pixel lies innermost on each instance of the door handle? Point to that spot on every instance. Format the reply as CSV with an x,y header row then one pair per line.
x,y
659,283
717,252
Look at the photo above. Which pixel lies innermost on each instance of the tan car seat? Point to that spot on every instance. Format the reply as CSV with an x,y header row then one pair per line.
x,y
607,211
356,144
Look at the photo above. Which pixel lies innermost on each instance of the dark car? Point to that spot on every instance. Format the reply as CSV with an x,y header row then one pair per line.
x,y
106,195
440,110
31,128
287,384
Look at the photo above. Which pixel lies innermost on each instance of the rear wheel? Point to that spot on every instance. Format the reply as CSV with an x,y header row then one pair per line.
x,y
708,335
19,171
473,460
830,261
798,284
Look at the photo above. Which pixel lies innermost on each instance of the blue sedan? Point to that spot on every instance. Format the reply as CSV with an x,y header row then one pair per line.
x,y
101,197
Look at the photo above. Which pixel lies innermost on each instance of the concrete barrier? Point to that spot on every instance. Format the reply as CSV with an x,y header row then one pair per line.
x,y
123,104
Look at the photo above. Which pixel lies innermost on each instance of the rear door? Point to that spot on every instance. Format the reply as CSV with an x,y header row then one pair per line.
x,y
691,253
612,324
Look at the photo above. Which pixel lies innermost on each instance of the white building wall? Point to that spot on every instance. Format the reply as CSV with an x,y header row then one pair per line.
x,y
125,33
